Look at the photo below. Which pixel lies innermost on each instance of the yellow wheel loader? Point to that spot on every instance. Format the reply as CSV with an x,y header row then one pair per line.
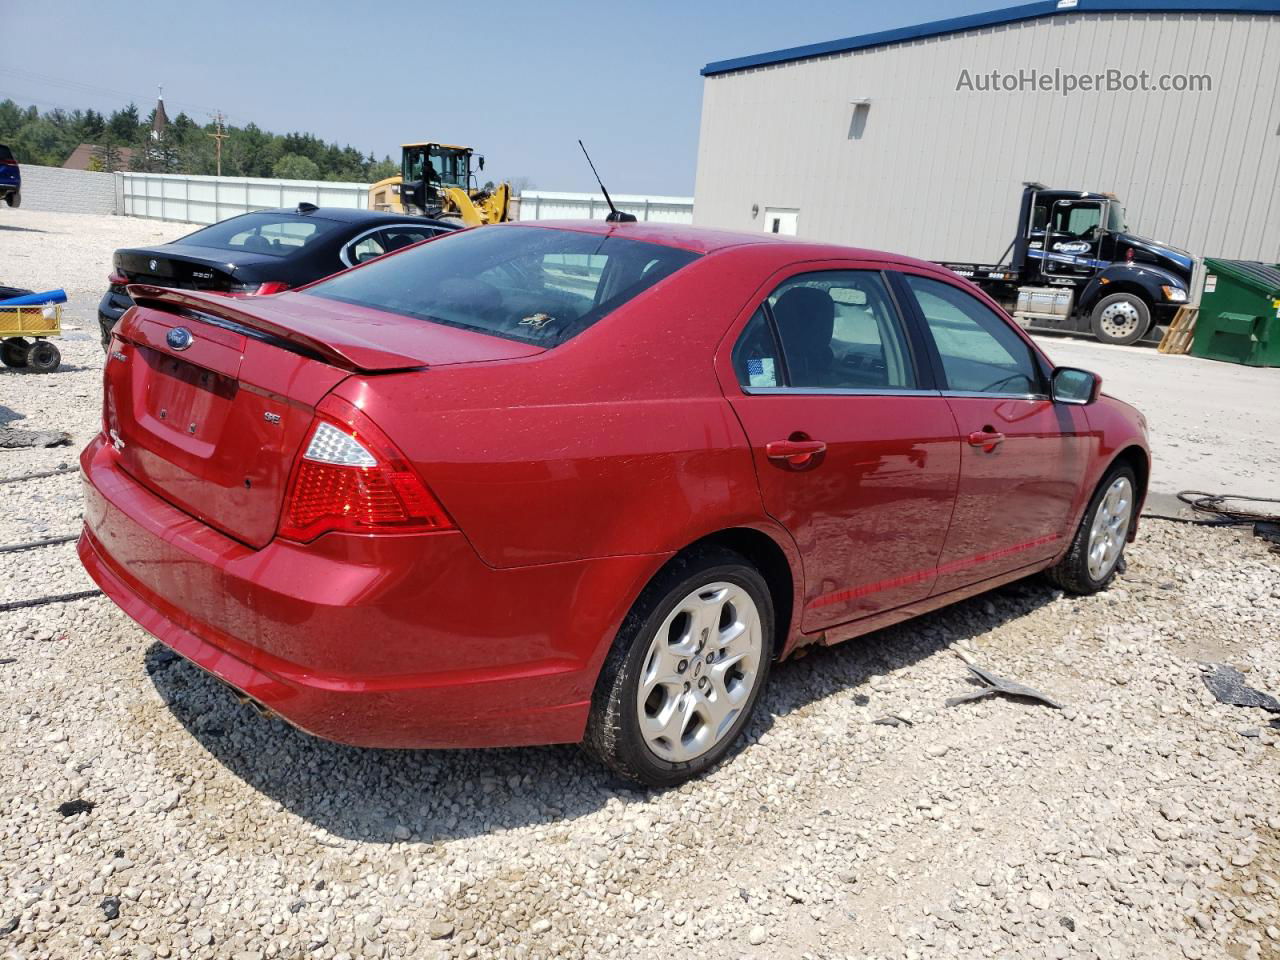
x,y
437,180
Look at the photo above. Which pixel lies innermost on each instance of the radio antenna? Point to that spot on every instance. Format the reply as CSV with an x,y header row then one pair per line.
x,y
615,215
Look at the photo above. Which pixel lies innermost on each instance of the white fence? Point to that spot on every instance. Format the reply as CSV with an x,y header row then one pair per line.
x,y
190,199
546,205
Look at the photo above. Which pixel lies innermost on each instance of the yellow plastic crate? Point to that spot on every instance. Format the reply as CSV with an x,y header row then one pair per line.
x,y
40,321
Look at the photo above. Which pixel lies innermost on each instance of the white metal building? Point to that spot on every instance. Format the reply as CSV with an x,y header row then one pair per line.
x,y
897,140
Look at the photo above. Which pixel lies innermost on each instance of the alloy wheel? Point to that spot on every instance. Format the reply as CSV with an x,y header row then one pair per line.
x,y
1110,528
699,671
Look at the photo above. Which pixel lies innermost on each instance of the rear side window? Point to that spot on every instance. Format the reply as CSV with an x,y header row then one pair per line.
x,y
838,330
272,234
980,352
523,283
6,155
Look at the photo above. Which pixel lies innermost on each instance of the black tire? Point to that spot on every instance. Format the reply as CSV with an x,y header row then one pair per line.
x,y
1134,315
613,726
43,357
1071,573
14,199
13,352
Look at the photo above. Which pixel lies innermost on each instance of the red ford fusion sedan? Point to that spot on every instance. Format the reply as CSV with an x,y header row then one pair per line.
x,y
584,482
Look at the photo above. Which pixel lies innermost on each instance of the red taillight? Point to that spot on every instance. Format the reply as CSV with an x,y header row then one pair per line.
x,y
350,477
117,279
270,287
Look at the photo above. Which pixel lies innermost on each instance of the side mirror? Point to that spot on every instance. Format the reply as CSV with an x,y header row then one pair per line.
x,y
481,159
1073,385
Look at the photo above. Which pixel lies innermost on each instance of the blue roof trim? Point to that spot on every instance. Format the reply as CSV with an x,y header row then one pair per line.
x,y
990,18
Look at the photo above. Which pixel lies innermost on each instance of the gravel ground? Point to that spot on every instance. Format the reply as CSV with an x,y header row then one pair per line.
x,y
1140,821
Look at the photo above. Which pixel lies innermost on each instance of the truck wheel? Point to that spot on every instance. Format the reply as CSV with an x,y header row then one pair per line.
x,y
43,357
13,352
1121,318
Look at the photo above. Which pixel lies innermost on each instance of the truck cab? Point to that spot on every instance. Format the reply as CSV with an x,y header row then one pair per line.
x,y
1075,266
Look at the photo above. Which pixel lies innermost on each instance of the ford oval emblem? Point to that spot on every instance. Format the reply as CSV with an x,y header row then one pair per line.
x,y
179,338
152,266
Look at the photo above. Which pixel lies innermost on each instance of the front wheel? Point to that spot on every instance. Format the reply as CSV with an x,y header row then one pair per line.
x,y
1121,318
1093,559
685,670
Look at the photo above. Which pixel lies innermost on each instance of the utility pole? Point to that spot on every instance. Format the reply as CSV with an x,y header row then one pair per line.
x,y
219,137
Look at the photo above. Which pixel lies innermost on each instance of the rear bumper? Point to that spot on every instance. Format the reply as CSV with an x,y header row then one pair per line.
x,y
388,641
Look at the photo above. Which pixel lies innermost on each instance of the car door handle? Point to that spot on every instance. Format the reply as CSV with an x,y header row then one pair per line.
x,y
797,453
988,440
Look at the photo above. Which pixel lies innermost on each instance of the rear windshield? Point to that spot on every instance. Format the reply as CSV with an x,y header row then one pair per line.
x,y
273,234
523,283
6,155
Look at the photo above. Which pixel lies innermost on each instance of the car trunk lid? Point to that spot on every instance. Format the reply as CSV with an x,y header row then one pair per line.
x,y
208,399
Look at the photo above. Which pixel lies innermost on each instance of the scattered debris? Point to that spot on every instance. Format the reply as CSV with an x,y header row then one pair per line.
x,y
45,542
111,907
41,601
11,438
297,906
1068,923
992,685
8,926
1228,686
4,660
70,808
40,474
893,720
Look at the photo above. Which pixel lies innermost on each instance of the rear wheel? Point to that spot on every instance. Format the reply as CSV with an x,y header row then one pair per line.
x,y
685,671
43,357
13,352
1121,318
1098,545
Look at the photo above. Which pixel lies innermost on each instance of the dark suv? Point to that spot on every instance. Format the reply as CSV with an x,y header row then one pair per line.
x,y
10,178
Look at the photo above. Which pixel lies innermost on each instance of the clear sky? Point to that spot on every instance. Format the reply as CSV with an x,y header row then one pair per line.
x,y
520,82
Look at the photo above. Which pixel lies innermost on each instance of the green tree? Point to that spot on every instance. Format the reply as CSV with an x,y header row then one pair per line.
x,y
106,155
293,166
124,124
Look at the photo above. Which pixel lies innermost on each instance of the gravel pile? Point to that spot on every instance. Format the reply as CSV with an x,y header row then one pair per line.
x,y
145,813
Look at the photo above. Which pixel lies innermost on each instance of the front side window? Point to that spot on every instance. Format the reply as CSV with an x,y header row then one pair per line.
x,y
531,284
273,234
1076,220
837,329
980,352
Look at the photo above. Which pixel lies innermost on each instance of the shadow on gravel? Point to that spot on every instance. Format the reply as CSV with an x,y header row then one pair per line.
x,y
10,227
385,796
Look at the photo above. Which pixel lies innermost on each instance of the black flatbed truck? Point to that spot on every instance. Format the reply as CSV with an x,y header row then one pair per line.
x,y
1074,266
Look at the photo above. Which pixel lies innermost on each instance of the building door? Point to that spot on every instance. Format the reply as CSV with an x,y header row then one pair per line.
x,y
781,220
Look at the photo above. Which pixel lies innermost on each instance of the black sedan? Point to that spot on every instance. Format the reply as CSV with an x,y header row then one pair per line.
x,y
262,252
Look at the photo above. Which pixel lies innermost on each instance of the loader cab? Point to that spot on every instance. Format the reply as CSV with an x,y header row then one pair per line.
x,y
437,163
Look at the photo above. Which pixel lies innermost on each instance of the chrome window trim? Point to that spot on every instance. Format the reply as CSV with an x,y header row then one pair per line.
x,y
838,392
978,394
344,253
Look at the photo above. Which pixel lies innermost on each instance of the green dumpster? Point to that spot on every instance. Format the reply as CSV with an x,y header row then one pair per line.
x,y
1239,318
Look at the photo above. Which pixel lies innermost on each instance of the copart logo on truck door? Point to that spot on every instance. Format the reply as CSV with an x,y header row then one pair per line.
x,y
1072,246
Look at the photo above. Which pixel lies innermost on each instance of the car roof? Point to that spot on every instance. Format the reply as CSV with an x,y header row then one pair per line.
x,y
710,240
353,215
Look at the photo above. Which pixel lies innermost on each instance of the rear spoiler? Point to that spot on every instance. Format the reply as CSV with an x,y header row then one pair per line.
x,y
229,313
